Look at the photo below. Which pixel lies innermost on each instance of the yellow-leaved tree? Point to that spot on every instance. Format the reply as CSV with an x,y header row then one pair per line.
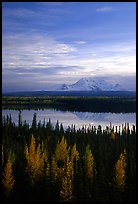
x,y
8,180
63,169
46,160
59,161
90,167
120,171
35,161
66,191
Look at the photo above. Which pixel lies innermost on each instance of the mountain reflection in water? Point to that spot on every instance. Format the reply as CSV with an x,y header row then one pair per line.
x,y
68,118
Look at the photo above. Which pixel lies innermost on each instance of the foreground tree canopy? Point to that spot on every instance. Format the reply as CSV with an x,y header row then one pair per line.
x,y
41,162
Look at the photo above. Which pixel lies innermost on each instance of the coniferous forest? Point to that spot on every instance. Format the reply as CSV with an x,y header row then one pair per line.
x,y
68,102
114,104
42,162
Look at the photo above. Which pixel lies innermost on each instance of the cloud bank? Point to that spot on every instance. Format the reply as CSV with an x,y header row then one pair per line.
x,y
45,43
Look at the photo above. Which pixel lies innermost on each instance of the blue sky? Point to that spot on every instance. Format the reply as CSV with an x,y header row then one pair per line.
x,y
46,43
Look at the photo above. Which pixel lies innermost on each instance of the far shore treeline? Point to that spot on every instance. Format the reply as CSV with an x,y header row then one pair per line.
x,y
72,103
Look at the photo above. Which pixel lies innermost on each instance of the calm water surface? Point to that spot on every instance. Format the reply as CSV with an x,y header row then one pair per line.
x,y
68,118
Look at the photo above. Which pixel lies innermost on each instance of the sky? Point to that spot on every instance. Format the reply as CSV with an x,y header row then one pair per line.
x,y
48,43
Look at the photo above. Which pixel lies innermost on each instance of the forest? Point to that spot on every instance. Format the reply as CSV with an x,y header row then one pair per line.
x,y
42,162
72,103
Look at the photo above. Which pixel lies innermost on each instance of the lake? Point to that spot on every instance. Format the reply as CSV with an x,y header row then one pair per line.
x,y
67,118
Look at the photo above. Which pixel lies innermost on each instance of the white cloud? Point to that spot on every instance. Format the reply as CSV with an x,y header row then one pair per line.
x,y
30,51
40,42
42,58
81,42
20,12
104,9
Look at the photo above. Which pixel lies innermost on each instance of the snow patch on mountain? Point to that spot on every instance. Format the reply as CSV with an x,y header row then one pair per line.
x,y
88,84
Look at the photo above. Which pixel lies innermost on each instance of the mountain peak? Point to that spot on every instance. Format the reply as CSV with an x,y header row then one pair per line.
x,y
93,84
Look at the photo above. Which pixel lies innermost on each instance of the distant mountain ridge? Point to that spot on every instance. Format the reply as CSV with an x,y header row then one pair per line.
x,y
88,84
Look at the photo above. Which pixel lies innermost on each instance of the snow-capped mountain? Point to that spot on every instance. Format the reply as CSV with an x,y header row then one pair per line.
x,y
91,116
91,84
